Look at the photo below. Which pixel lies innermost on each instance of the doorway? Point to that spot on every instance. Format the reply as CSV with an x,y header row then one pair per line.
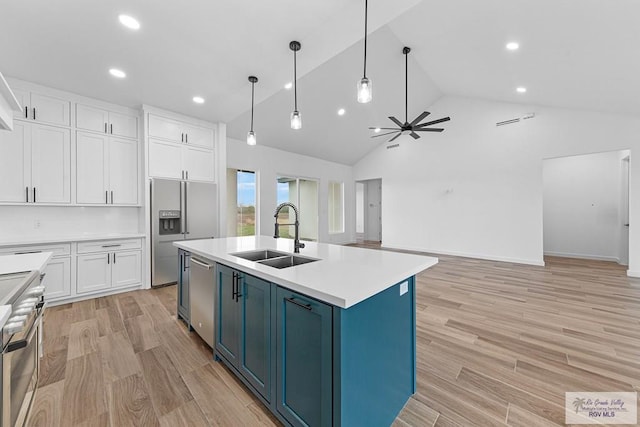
x,y
241,203
586,206
369,210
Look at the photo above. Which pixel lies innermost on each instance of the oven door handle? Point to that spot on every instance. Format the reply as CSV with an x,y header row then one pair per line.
x,y
17,345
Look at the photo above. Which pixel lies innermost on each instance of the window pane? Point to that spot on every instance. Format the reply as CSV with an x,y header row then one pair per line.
x,y
246,204
336,207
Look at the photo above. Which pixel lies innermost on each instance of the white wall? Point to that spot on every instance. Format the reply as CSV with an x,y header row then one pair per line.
x,y
476,189
34,222
269,163
581,205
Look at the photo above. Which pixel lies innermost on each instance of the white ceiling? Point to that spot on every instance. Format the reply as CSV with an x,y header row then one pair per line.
x,y
574,54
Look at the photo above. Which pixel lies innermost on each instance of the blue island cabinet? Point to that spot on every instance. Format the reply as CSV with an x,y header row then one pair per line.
x,y
243,337
315,364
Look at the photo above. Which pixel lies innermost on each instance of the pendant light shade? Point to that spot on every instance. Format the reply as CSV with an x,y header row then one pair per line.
x,y
365,89
296,117
251,135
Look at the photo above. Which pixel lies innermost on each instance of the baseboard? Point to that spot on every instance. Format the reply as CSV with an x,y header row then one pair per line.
x,y
539,263
633,273
92,295
583,256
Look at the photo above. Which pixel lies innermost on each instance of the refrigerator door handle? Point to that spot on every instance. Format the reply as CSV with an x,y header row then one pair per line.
x,y
185,212
182,208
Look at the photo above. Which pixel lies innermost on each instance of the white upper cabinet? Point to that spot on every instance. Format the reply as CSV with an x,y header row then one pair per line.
x,y
198,164
43,108
107,170
50,164
180,132
165,159
15,178
108,122
35,165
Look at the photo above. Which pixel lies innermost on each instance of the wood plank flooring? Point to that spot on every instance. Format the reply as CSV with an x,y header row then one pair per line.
x,y
497,344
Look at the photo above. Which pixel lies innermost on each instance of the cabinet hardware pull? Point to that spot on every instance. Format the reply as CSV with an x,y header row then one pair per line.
x,y
186,138
34,113
299,304
28,252
111,196
186,173
26,190
233,287
106,197
108,259
34,194
26,112
111,246
105,127
182,137
114,257
111,128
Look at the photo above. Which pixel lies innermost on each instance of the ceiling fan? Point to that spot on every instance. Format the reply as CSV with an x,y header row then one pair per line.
x,y
409,128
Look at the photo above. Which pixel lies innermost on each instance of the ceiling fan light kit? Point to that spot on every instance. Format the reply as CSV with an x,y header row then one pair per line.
x,y
408,128
296,117
365,88
251,135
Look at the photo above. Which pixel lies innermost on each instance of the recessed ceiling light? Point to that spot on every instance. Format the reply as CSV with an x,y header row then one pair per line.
x,y
521,89
129,22
341,112
288,86
117,73
377,130
513,46
198,100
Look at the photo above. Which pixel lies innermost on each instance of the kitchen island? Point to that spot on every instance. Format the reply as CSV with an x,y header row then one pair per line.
x,y
330,341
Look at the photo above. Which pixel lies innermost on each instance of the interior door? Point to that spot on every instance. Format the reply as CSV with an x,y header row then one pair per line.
x,y
51,164
92,178
123,171
201,211
14,164
374,210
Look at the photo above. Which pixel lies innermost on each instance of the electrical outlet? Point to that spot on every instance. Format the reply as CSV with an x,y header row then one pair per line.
x,y
404,288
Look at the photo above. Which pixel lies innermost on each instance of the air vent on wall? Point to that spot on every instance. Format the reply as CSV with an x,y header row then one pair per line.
x,y
516,120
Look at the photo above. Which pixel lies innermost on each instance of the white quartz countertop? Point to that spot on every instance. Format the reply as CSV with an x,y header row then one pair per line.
x,y
24,262
343,277
68,238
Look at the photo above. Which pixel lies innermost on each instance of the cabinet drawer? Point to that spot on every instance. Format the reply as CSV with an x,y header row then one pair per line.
x,y
60,249
109,245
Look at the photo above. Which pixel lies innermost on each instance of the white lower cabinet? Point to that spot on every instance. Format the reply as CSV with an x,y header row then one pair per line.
x,y
105,270
57,280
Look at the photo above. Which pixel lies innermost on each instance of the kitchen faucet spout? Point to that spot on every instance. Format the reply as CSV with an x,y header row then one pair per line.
x,y
296,241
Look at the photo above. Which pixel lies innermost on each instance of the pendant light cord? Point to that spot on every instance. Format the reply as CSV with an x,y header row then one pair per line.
x,y
252,91
406,87
295,81
365,37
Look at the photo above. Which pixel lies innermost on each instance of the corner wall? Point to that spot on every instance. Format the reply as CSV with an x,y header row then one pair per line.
x,y
269,163
476,189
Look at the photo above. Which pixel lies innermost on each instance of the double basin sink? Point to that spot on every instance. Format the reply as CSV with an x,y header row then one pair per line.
x,y
275,259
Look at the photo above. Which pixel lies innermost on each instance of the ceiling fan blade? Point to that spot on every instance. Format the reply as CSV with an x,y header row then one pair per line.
x,y
419,118
433,122
414,135
428,130
385,128
396,121
384,134
395,137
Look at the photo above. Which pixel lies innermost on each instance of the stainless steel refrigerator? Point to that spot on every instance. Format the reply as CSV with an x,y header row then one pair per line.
x,y
180,210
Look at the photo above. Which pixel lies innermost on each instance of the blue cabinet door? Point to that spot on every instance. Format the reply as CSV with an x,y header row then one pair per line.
x,y
183,285
255,336
228,318
304,359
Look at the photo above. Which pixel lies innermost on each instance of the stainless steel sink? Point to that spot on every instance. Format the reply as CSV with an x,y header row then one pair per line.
x,y
287,261
260,255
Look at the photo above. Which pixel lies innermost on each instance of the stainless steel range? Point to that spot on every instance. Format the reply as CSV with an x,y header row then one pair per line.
x,y
20,344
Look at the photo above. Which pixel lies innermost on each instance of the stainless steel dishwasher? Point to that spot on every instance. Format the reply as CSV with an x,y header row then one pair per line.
x,y
201,294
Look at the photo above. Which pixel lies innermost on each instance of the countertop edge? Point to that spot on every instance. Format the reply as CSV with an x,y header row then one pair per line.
x,y
69,239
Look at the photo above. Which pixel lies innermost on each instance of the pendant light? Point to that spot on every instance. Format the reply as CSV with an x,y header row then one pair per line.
x,y
365,84
251,136
296,117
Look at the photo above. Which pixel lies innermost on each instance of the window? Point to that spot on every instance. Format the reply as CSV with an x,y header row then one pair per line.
x,y
303,193
336,207
241,206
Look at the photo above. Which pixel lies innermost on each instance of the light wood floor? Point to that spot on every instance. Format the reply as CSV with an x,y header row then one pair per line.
x,y
498,344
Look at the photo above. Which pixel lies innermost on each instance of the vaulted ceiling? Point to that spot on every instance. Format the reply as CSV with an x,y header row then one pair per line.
x,y
578,54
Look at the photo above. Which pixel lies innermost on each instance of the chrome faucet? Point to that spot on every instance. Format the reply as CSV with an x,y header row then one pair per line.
x,y
296,241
